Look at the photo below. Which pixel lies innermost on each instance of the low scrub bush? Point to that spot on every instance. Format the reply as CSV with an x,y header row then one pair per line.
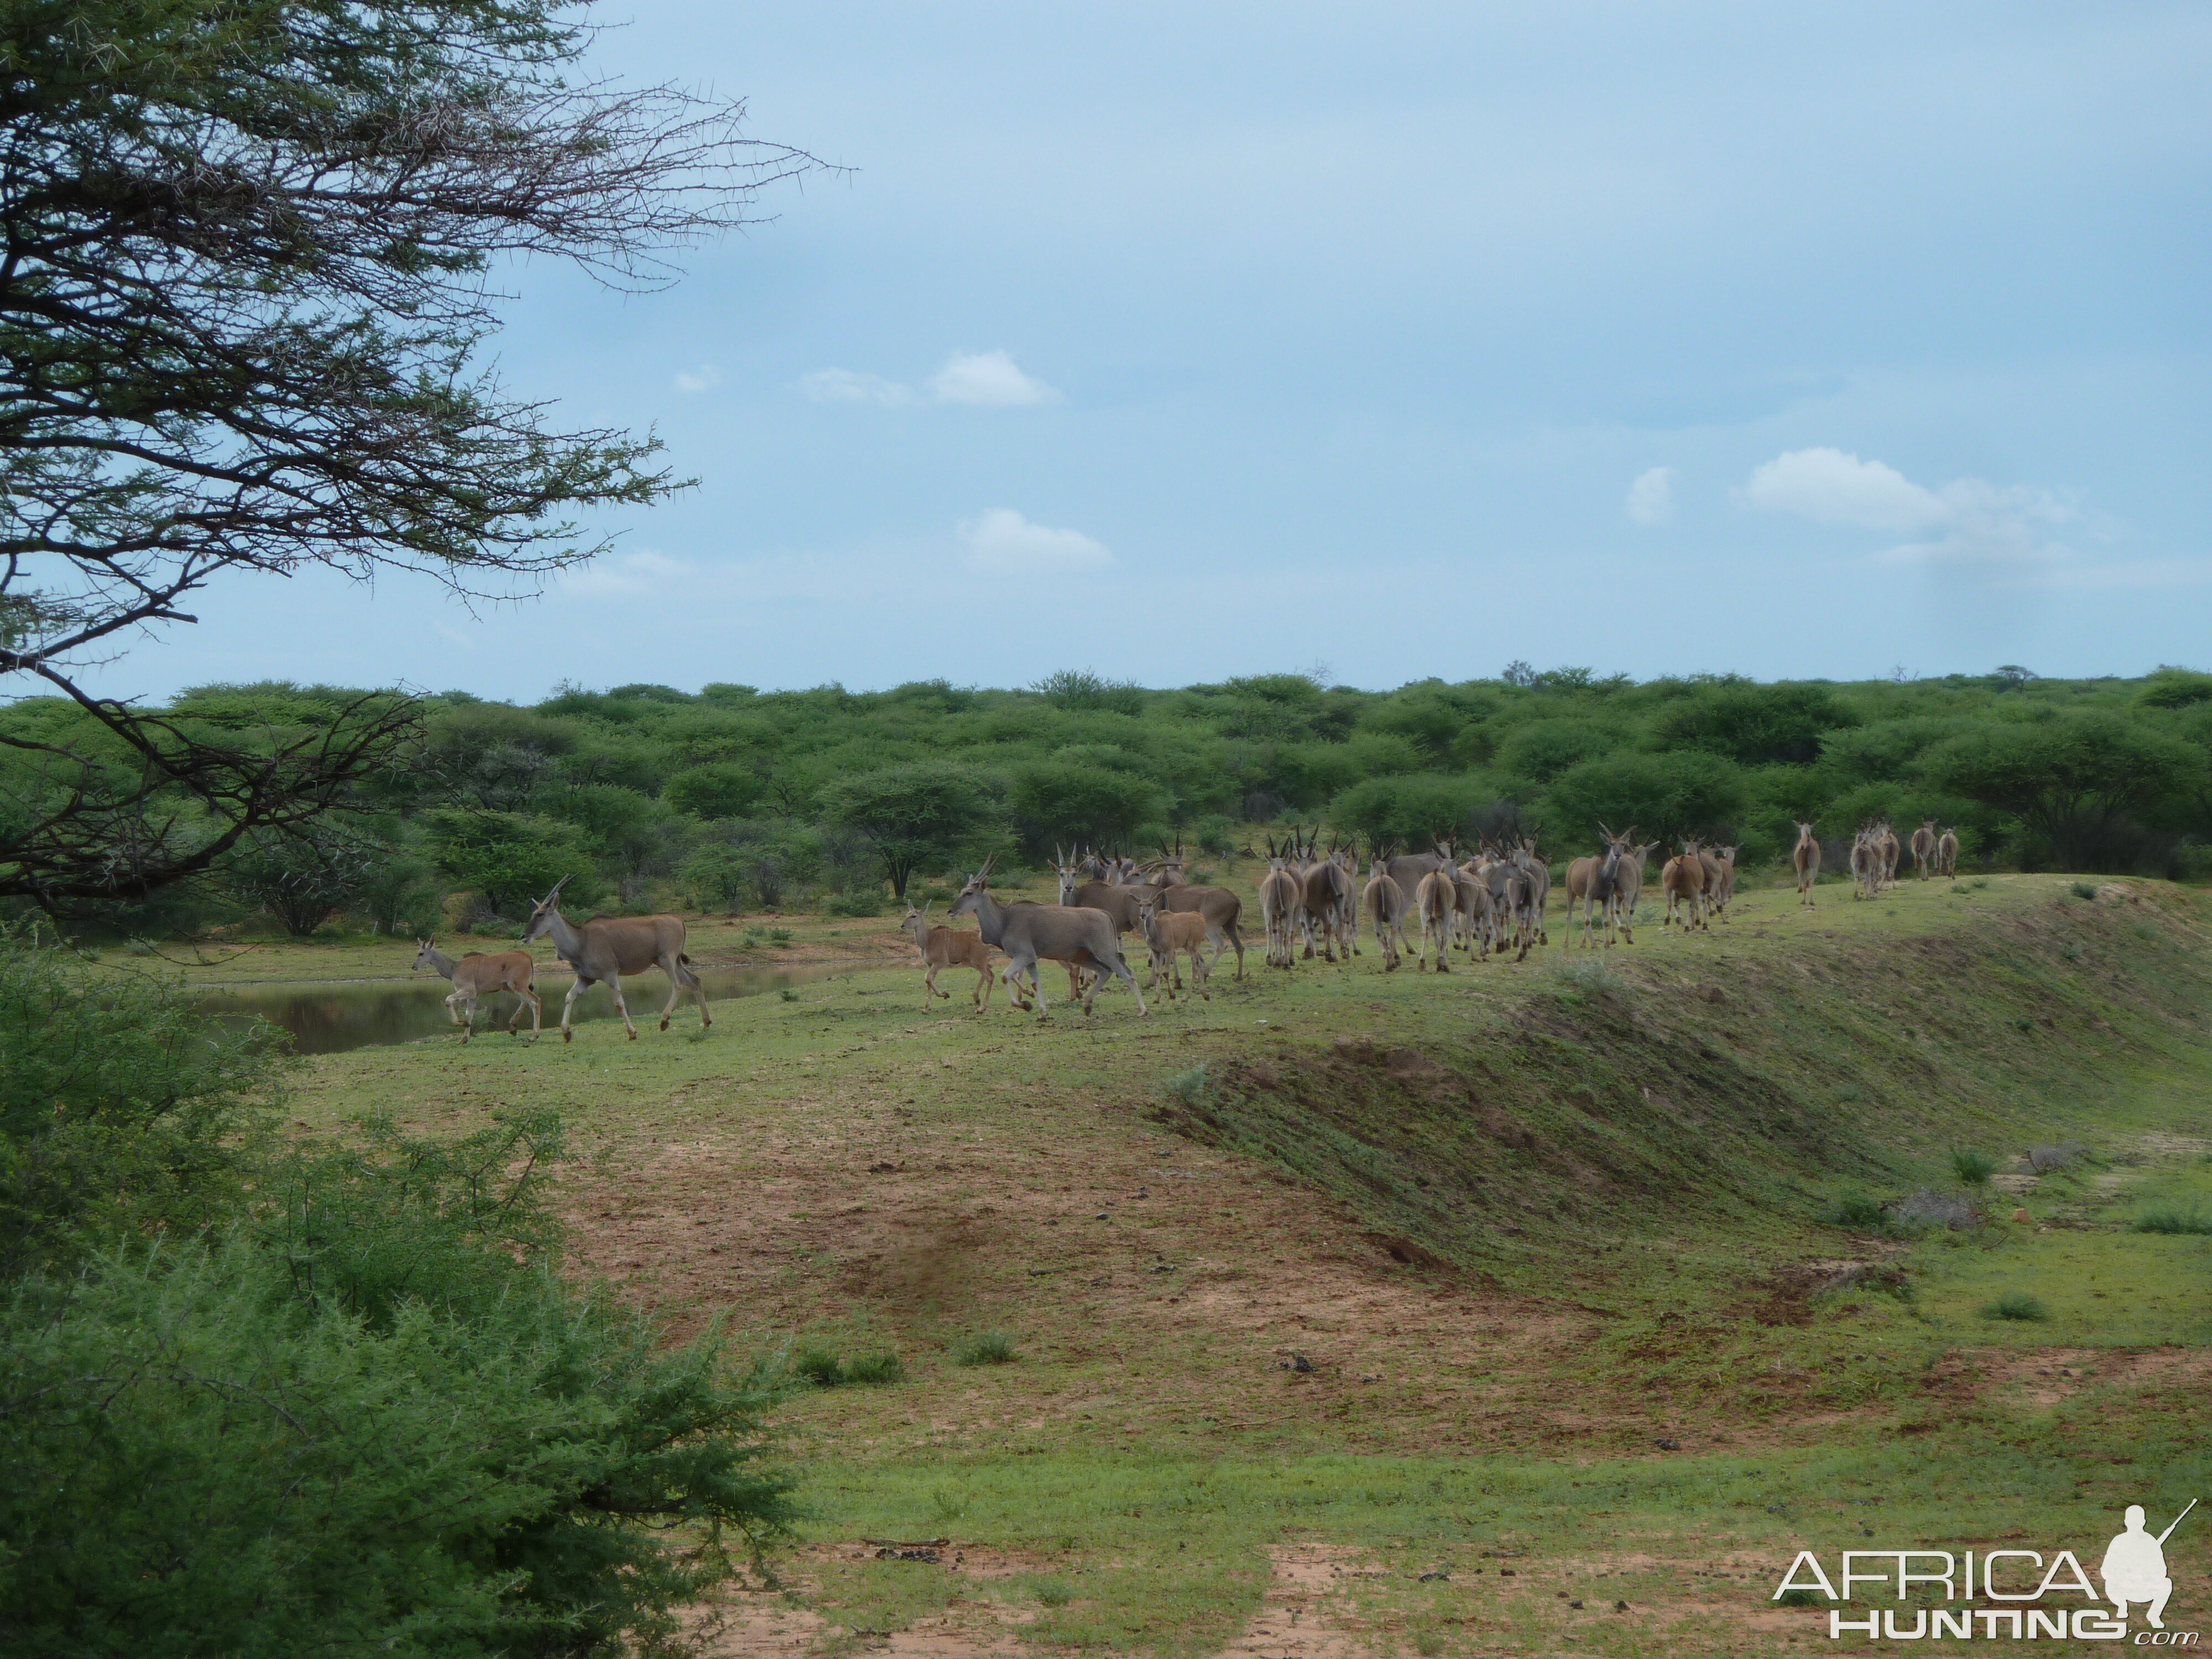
x,y
1856,1210
825,1369
1187,1087
2014,1304
1591,977
2193,1222
1973,1168
2042,1160
1926,1208
992,1347
862,901
2083,890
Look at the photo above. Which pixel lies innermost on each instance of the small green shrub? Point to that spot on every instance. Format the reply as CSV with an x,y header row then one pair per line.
x,y
1971,1167
2014,1304
1591,977
1056,1592
2193,1222
788,995
825,1370
1216,834
1798,1598
2142,930
1187,1087
2083,890
2069,952
865,903
991,1347
1859,1211
779,936
876,1371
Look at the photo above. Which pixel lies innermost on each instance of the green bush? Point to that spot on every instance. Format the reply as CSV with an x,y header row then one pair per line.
x,y
861,902
2083,890
121,1111
876,1371
369,1413
2191,1222
1187,1086
719,789
1856,1210
1214,834
992,1347
1973,1168
2015,1304
514,859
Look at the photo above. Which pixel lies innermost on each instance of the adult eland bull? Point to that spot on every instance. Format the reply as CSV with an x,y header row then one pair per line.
x,y
607,947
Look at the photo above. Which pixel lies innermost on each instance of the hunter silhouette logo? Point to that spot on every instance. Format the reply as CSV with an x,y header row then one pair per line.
x,y
2134,1568
2028,1593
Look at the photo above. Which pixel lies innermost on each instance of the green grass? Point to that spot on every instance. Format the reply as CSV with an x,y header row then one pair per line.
x,y
1598,1200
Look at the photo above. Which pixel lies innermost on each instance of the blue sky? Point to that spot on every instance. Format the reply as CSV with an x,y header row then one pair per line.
x,y
1180,342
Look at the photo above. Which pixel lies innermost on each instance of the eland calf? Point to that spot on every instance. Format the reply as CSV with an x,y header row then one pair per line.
x,y
947,947
477,975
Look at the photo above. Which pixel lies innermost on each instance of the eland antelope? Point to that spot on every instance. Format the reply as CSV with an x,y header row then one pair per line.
x,y
1595,881
1169,934
1386,913
1279,903
1030,933
1806,856
1682,879
1436,900
1946,853
1866,863
478,975
1924,848
607,947
947,947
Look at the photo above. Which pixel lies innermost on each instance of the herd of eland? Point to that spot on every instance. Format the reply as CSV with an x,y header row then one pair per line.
x,y
1311,904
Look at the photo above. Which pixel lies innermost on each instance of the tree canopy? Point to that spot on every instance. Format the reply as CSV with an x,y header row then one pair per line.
x,y
241,320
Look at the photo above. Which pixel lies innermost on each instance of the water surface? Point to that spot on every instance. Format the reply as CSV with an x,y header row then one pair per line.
x,y
330,1016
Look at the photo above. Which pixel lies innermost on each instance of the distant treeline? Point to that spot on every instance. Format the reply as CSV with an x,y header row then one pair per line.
x,y
732,799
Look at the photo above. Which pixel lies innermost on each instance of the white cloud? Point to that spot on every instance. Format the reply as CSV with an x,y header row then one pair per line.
x,y
845,385
1966,518
1651,497
1002,540
645,571
989,379
705,378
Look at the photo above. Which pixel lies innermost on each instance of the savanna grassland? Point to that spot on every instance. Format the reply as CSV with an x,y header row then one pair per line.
x,y
1349,1312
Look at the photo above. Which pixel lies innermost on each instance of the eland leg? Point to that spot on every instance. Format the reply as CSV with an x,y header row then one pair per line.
x,y
569,1002
614,987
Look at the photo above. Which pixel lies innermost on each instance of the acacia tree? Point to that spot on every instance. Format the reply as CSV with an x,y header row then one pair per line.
x,y
243,290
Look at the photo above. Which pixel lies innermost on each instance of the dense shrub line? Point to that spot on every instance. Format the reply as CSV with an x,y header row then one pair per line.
x,y
732,799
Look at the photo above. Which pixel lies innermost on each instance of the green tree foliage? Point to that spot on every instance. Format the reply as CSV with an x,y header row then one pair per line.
x,y
1755,724
514,859
333,1397
918,815
304,876
1406,813
719,789
121,1111
1066,801
1666,796
242,322
2079,781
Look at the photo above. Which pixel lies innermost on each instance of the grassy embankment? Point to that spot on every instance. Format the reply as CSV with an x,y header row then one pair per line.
x,y
1523,1223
